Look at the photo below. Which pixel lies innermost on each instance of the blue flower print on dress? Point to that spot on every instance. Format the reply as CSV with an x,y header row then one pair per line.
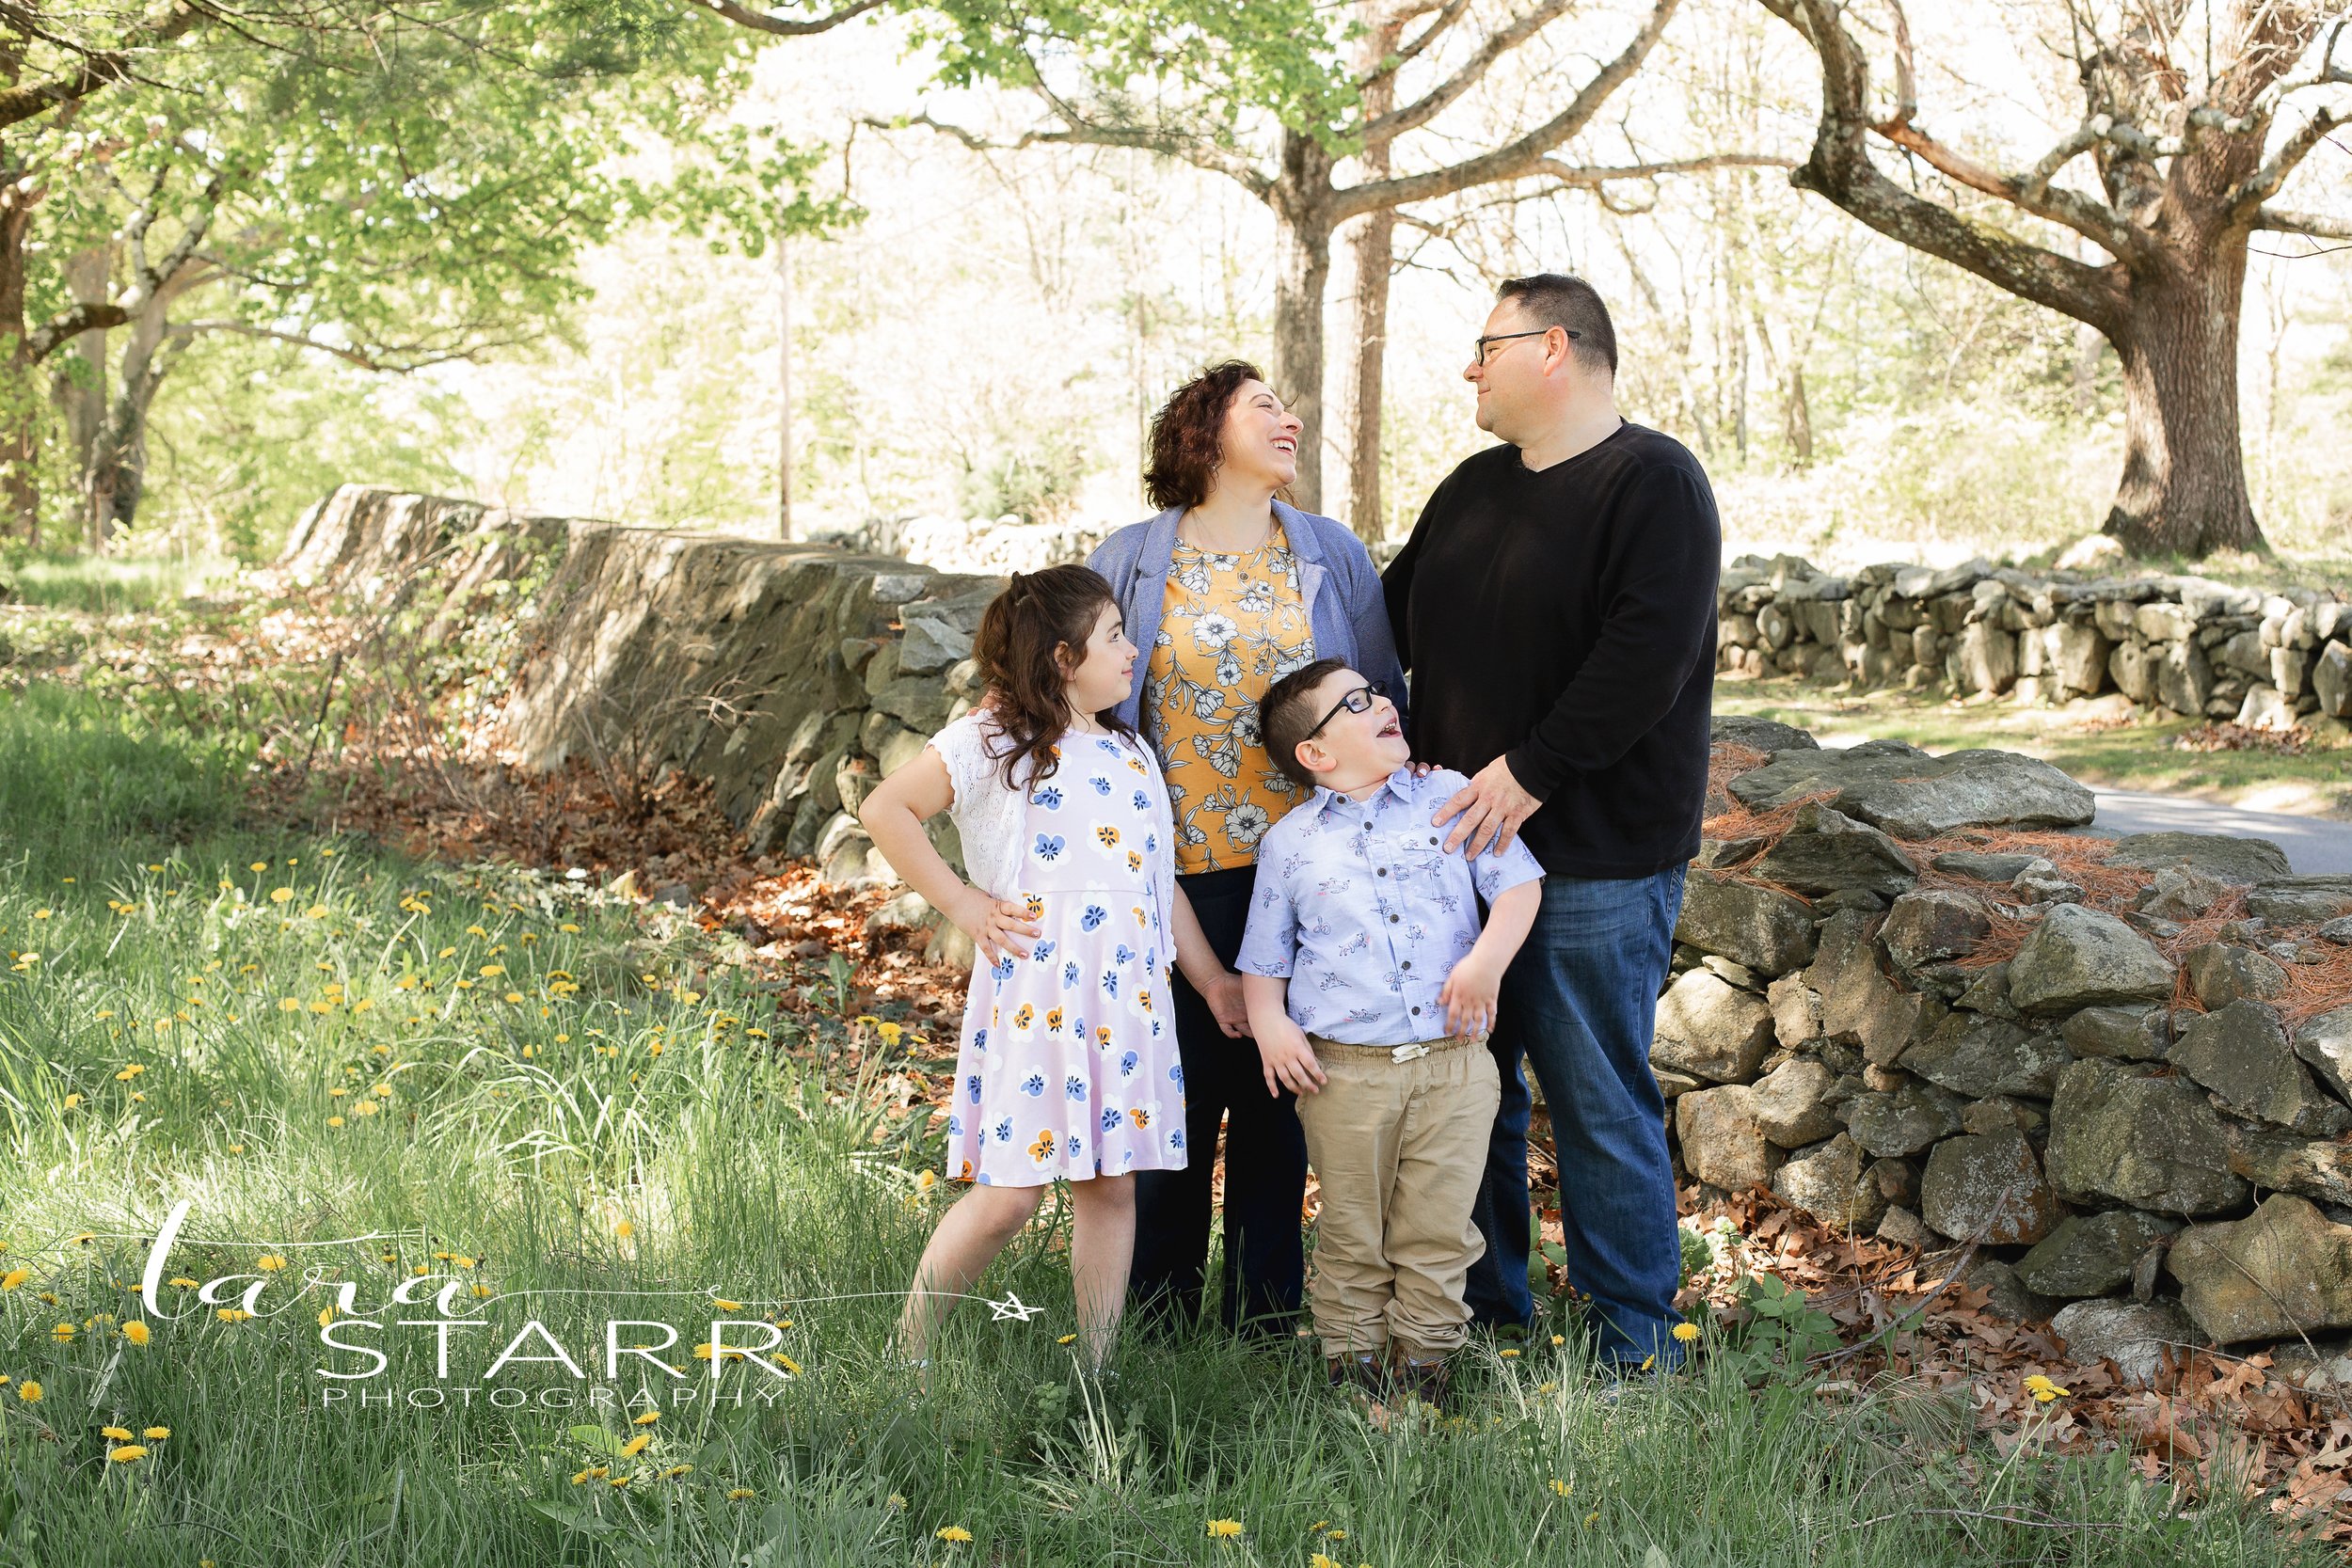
x,y
1123,954
1101,785
1042,951
1074,1148
1176,1075
1127,1065
1070,977
1049,798
955,1125
1175,1138
1110,982
1093,918
1073,1087
1140,800
1001,969
1034,1085
972,1088
1002,1131
980,1039
1112,1116
1049,846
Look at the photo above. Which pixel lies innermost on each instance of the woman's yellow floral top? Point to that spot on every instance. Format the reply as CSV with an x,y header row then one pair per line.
x,y
1231,627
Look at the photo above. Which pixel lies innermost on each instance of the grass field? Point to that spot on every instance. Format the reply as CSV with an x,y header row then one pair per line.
x,y
538,1103
2141,755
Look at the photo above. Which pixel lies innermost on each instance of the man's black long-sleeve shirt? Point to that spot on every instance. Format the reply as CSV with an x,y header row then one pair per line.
x,y
1565,619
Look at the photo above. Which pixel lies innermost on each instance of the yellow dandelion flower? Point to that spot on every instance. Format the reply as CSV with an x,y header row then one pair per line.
x,y
157,1434
1225,1529
647,1419
14,1277
676,1471
258,866
365,1108
636,1445
737,1494
1686,1332
62,1332
316,911
136,1332
270,1263
493,968
232,1314
29,1391
334,1121
183,1282
290,1004
120,1434
624,1229
953,1532
1067,1340
1508,1354
580,1478
282,895
129,1453
1560,1488
40,914
326,1316
1559,1339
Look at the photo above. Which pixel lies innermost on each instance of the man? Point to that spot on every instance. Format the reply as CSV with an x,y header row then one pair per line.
x,y
1556,607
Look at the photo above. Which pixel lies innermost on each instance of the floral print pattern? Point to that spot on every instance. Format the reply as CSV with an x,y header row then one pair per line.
x,y
1231,627
1067,1052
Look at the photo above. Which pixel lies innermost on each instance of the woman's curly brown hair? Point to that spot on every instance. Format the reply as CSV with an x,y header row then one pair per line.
x,y
1188,435
1018,649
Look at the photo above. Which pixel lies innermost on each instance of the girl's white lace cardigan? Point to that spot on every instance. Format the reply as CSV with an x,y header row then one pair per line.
x,y
989,816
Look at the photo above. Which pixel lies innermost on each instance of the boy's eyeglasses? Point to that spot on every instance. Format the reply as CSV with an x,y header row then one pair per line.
x,y
1357,701
1480,352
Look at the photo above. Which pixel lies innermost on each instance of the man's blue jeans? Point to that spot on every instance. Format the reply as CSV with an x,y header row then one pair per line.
x,y
1577,1004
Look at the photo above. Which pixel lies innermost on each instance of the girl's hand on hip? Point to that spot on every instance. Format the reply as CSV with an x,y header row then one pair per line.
x,y
997,926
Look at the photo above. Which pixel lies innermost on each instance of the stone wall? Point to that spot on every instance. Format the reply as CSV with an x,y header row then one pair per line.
x,y
1906,997
1915,1006
2186,644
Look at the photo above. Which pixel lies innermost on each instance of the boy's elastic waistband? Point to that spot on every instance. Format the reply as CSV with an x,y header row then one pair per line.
x,y
1390,1052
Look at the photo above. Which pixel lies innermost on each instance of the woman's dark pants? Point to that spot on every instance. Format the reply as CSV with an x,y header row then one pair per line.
x,y
1266,1159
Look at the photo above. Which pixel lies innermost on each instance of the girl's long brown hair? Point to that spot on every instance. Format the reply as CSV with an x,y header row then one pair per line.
x,y
1021,632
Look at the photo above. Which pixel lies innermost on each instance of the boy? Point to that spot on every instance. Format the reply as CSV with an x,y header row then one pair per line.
x,y
1371,989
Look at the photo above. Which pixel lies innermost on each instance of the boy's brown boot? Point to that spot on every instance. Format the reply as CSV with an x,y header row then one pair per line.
x,y
1429,1381
1360,1373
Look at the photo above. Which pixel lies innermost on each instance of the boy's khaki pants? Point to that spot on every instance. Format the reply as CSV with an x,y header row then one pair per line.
x,y
1399,1147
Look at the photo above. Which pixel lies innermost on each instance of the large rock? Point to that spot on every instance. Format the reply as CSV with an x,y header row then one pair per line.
x,y
2301,900
1977,1056
2092,1255
2317,1168
1914,795
2326,1043
1827,851
1762,735
1832,1182
2119,1034
2007,1296
1989,1189
2285,1270
1721,1142
2183,893
1762,928
1858,1002
1897,1122
1933,924
2083,958
2233,859
1792,1104
2241,1054
2332,680
1712,1029
2141,1338
2145,1143
1796,1011
2184,679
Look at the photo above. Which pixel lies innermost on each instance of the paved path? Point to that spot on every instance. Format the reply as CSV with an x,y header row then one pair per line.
x,y
2313,844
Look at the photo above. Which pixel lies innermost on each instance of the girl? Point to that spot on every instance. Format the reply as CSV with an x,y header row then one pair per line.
x,y
1068,1066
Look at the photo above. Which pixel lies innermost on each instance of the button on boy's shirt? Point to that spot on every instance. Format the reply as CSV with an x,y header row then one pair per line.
x,y
1359,907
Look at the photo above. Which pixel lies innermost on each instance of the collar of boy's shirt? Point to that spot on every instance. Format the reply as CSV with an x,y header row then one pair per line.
x,y
1400,783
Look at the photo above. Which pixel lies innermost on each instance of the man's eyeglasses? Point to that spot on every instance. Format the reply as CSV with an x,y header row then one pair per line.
x,y
1480,351
1357,701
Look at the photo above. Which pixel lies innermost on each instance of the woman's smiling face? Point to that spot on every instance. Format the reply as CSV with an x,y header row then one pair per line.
x,y
1258,442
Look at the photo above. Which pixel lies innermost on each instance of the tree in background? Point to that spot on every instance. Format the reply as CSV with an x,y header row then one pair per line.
x,y
1333,96
2180,103
395,187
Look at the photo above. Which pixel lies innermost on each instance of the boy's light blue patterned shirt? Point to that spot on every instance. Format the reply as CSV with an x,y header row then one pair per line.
x,y
1362,908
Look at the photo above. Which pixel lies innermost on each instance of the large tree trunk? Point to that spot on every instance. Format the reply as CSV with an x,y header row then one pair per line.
x,y
79,386
20,492
1367,352
1302,272
2184,485
118,467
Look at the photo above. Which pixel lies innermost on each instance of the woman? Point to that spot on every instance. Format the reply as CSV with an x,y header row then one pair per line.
x,y
1226,591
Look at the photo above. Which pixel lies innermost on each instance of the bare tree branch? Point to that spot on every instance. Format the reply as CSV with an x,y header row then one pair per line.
x,y
1388,127
1075,133
101,67
743,16
1407,53
2265,182
393,360
2320,226
66,326
1586,177
1517,157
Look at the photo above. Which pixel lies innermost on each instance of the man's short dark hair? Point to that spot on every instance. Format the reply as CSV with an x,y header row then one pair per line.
x,y
1557,300
1288,711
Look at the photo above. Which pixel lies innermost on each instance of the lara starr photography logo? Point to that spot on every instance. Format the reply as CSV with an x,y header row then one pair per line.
x,y
450,1307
